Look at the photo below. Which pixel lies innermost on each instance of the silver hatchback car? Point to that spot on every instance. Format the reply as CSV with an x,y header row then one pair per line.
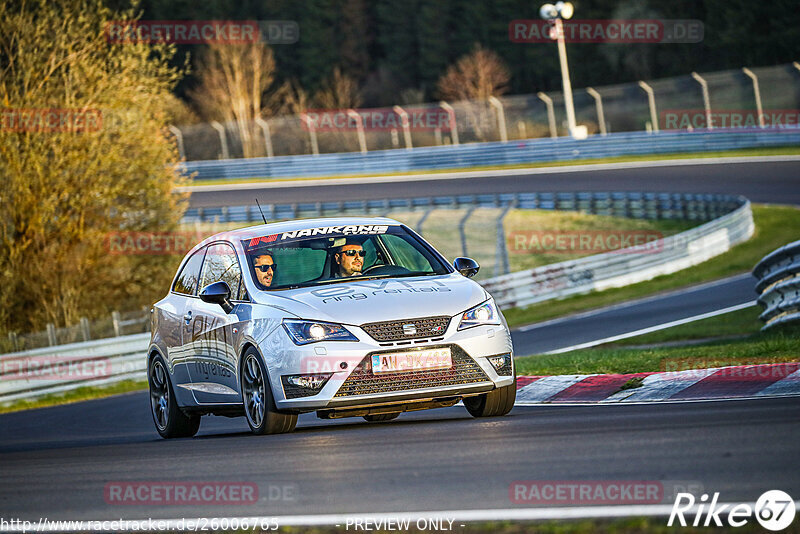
x,y
348,317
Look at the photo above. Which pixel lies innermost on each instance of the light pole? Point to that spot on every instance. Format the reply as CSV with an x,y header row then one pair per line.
x,y
558,13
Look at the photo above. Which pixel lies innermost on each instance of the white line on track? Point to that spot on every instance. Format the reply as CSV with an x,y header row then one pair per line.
x,y
654,328
290,182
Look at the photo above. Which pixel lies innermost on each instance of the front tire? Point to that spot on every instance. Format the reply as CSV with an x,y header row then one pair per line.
x,y
497,402
169,419
259,405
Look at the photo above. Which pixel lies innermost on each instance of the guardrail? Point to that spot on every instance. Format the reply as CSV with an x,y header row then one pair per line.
x,y
778,284
38,372
618,268
494,153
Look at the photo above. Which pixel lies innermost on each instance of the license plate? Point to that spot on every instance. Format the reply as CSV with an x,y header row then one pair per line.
x,y
411,360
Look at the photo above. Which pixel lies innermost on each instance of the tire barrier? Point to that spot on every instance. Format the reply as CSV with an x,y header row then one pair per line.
x,y
778,275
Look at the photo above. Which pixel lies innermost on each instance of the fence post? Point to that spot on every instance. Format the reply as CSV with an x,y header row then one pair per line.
x,y
85,329
267,136
406,125
551,115
222,140
115,321
453,125
462,230
178,139
312,133
51,335
706,100
362,139
12,336
501,258
598,102
757,94
501,117
422,220
651,102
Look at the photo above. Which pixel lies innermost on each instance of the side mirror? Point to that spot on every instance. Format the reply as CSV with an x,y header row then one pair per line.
x,y
466,266
218,293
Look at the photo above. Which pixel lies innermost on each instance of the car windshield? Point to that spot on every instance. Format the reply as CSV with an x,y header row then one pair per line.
x,y
331,254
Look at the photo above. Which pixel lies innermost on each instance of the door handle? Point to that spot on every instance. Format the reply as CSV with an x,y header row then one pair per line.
x,y
188,317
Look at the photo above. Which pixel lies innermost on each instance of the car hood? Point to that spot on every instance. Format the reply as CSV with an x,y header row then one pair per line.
x,y
382,299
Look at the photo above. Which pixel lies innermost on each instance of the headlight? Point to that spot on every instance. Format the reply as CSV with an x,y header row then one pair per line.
x,y
304,332
484,313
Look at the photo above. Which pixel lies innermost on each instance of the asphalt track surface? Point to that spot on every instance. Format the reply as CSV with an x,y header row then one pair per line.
x,y
768,182
57,461
633,315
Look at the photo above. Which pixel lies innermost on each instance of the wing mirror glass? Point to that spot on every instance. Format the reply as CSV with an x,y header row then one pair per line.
x,y
218,293
466,266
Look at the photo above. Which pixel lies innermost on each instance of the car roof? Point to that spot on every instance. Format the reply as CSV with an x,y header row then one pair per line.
x,y
288,226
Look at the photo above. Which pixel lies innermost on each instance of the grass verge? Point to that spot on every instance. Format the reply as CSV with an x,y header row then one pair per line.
x,y
76,395
767,151
782,345
775,226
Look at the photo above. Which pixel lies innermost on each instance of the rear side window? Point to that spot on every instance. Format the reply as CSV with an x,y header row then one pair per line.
x,y
186,283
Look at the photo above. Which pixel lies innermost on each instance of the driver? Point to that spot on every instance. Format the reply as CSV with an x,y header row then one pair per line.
x,y
265,268
349,260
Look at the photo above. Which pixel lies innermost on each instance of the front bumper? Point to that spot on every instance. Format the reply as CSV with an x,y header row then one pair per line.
x,y
356,386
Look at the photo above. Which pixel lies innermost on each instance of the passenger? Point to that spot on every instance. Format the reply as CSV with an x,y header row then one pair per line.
x,y
349,260
265,268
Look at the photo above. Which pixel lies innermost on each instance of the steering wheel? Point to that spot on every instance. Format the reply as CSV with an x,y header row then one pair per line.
x,y
372,268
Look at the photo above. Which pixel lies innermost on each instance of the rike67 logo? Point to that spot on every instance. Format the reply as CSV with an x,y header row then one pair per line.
x,y
774,511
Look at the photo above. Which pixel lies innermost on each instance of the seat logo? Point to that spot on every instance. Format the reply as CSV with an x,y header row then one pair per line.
x,y
409,329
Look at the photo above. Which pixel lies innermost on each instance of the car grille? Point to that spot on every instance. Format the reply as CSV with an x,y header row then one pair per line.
x,y
362,382
393,330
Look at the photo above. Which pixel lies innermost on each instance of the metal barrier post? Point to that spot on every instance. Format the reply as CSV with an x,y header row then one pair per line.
x,y
12,336
598,102
651,102
85,329
51,335
312,133
422,220
462,230
501,264
453,125
178,139
362,139
551,115
267,137
406,125
222,140
706,99
757,94
501,118
115,321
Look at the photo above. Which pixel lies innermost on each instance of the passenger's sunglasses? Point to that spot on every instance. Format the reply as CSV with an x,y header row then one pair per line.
x,y
352,253
267,267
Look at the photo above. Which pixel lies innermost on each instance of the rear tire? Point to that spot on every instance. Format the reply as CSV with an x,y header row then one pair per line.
x,y
381,417
259,405
169,419
497,402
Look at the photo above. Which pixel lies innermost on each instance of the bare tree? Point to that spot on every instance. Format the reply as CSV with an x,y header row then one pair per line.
x,y
473,79
339,91
233,80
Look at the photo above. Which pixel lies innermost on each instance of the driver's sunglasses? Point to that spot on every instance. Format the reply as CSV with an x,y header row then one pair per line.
x,y
267,267
352,253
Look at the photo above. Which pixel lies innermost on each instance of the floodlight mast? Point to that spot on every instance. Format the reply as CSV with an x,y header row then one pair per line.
x,y
558,13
